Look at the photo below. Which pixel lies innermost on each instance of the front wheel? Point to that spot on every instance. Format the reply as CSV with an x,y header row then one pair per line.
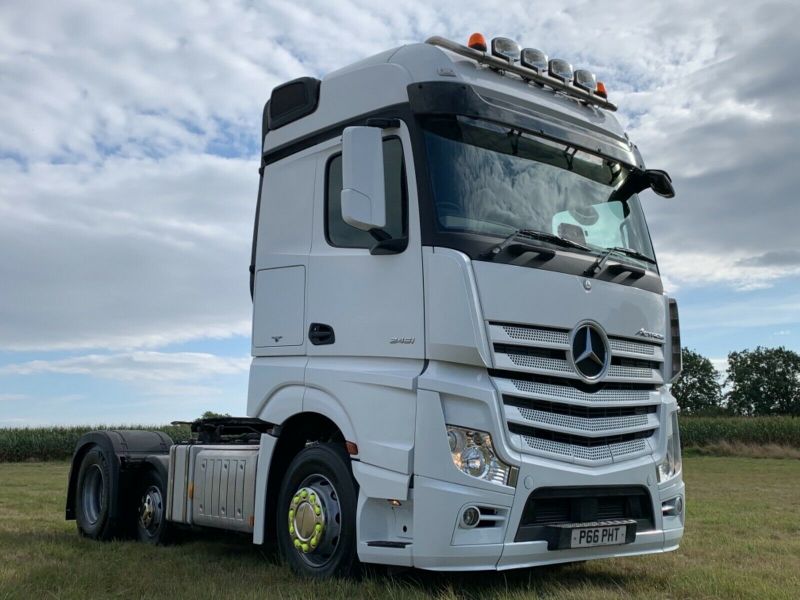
x,y
317,513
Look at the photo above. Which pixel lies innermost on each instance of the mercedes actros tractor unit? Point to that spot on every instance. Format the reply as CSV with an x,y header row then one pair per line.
x,y
462,350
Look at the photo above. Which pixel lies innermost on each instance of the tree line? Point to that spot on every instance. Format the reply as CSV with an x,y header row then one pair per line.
x,y
764,381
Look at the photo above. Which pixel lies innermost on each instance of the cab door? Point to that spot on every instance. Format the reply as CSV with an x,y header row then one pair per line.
x,y
364,312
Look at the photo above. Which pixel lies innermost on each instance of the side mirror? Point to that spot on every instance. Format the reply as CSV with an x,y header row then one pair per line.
x,y
660,182
657,180
363,194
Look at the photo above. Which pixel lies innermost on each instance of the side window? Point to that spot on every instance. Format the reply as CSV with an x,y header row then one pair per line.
x,y
343,235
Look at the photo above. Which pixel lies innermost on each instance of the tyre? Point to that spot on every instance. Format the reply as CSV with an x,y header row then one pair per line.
x,y
151,519
93,496
316,517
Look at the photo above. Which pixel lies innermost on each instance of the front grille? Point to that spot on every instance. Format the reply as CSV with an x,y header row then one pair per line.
x,y
552,412
546,507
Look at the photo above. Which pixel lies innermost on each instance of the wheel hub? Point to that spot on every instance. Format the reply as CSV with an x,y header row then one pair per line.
x,y
315,520
150,509
306,519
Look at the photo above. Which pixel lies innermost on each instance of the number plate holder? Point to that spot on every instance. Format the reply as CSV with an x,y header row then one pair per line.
x,y
560,536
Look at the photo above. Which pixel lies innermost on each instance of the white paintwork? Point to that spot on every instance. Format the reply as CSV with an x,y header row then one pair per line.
x,y
363,194
265,449
281,293
394,400
385,77
454,326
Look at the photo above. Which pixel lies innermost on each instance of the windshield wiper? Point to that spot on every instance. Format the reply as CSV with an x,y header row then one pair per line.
x,y
601,260
535,234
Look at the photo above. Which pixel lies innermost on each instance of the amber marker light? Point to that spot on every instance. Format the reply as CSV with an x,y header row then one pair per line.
x,y
601,90
477,42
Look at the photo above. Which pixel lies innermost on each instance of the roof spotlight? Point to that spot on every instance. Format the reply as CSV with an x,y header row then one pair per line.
x,y
560,69
533,59
585,80
505,48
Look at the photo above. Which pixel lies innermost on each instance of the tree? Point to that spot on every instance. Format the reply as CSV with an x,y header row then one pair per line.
x,y
764,381
210,414
697,389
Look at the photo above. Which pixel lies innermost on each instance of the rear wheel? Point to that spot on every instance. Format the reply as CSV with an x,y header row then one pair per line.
x,y
151,523
317,513
93,495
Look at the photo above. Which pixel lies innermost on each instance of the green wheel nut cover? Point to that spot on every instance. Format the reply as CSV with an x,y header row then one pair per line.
x,y
297,543
305,547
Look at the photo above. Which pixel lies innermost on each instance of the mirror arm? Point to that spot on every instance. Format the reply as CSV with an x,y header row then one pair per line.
x,y
389,246
379,234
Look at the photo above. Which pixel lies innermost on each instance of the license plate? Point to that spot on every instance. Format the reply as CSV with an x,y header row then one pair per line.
x,y
598,536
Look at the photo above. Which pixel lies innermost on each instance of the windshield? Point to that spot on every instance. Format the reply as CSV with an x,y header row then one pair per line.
x,y
490,179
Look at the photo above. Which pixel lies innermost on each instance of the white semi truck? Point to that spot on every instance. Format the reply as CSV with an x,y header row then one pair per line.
x,y
461,346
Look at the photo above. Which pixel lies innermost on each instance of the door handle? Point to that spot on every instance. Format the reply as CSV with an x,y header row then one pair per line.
x,y
320,334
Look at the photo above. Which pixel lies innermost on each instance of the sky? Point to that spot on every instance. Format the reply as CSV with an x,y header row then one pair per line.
x,y
128,175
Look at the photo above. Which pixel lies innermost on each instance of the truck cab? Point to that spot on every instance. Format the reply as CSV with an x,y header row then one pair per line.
x,y
461,346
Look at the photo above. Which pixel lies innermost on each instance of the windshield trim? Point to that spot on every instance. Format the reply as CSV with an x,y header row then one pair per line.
x,y
595,251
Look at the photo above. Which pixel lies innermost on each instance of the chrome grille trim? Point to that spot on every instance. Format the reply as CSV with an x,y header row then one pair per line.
x,y
523,335
596,455
529,336
562,368
589,427
537,402
549,391
540,363
626,347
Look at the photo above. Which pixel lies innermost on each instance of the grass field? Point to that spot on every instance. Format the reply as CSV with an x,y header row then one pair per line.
x,y
742,541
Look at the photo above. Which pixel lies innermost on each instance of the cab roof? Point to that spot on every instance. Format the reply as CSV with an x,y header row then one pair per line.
x,y
382,80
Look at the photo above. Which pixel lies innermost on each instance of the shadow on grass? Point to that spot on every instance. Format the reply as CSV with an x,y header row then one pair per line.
x,y
225,549
219,544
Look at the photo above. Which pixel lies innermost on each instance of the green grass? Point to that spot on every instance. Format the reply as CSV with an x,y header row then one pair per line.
x,y
742,541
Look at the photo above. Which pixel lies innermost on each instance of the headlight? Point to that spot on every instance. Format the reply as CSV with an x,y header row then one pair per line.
x,y
473,454
672,463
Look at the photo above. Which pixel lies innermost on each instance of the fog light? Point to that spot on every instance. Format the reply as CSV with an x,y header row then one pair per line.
x,y
679,505
470,517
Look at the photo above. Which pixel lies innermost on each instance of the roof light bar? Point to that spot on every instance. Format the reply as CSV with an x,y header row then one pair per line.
x,y
534,59
585,79
559,68
477,42
505,48
594,98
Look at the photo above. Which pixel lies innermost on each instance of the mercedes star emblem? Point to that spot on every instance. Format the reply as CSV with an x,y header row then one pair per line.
x,y
590,354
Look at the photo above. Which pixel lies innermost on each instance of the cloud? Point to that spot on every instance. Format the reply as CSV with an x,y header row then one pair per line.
x,y
13,397
133,252
128,143
783,258
139,367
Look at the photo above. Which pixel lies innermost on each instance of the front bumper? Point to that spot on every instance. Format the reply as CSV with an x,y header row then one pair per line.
x,y
441,544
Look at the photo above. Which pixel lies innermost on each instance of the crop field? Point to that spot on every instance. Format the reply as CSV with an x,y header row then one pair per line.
x,y
745,436
742,541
